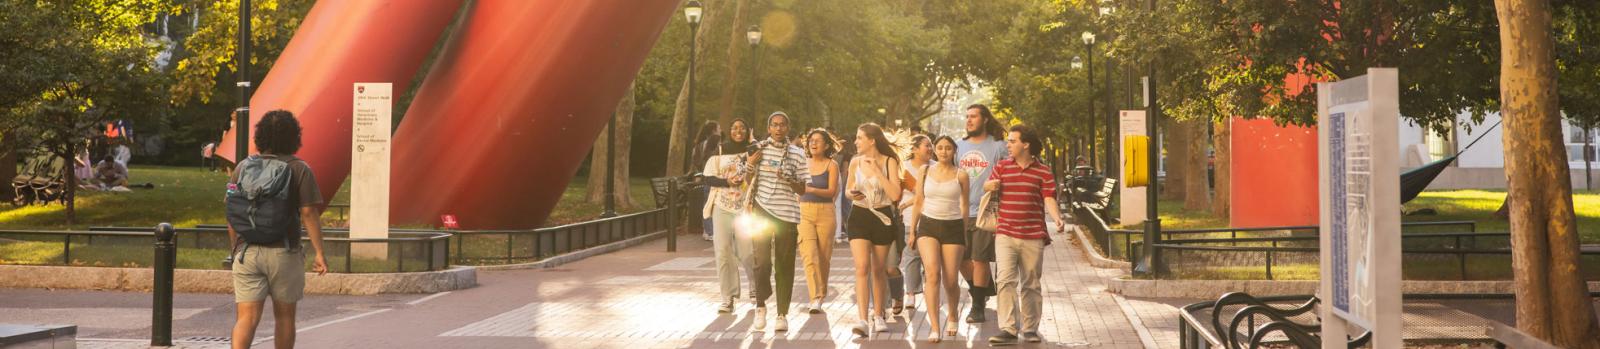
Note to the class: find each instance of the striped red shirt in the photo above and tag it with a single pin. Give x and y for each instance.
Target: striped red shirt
(1022, 193)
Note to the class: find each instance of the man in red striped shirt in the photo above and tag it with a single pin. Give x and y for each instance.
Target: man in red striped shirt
(1027, 191)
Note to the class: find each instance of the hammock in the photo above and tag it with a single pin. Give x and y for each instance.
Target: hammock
(1414, 181)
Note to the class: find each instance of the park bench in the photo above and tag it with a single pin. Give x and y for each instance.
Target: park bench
(658, 187)
(40, 181)
(1234, 323)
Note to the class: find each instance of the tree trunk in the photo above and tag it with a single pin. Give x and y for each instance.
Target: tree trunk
(598, 166)
(677, 142)
(69, 193)
(1221, 138)
(8, 170)
(737, 44)
(1196, 195)
(1552, 300)
(1177, 147)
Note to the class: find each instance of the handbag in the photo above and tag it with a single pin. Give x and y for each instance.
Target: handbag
(989, 211)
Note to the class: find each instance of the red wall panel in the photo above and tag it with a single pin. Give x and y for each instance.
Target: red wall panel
(1274, 174)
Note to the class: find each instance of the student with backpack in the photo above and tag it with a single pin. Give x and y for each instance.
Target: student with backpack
(270, 198)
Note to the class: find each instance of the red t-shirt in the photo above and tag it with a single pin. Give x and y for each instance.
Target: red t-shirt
(1022, 193)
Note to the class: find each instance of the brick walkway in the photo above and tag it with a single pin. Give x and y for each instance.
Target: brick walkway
(644, 297)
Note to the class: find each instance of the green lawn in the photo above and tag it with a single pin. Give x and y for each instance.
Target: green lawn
(187, 196)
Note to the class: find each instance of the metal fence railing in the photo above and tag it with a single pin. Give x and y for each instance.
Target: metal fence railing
(508, 246)
(205, 248)
(478, 247)
(405, 250)
(1433, 250)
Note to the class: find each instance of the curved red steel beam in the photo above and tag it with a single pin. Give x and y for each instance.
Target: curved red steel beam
(340, 43)
(514, 105)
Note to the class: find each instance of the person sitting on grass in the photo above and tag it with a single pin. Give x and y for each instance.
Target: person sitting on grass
(111, 175)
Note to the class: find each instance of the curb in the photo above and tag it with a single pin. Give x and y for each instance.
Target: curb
(221, 281)
(1095, 259)
(579, 255)
(1211, 289)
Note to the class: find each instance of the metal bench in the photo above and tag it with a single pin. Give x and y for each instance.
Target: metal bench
(40, 181)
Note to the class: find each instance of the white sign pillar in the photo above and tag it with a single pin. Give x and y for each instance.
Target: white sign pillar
(1134, 207)
(1358, 165)
(369, 168)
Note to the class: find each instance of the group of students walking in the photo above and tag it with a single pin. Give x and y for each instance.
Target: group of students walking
(773, 198)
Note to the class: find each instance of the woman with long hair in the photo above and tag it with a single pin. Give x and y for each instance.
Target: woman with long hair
(905, 265)
(938, 228)
(874, 187)
(816, 214)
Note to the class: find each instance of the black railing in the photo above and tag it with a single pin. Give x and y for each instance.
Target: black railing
(204, 248)
(1107, 237)
(507, 246)
(1203, 253)
(513, 246)
(1426, 255)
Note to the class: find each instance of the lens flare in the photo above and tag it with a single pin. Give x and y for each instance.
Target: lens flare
(752, 225)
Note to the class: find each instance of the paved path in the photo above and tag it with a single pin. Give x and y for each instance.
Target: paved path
(641, 297)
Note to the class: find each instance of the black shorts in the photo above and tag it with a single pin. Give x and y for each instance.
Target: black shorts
(862, 224)
(980, 244)
(948, 232)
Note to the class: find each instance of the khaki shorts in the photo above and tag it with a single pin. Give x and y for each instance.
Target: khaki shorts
(980, 243)
(259, 272)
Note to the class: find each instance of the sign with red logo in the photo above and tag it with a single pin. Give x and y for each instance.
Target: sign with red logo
(449, 221)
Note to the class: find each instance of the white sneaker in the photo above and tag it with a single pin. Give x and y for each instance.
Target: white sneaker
(815, 307)
(758, 323)
(706, 236)
(780, 325)
(862, 329)
(881, 325)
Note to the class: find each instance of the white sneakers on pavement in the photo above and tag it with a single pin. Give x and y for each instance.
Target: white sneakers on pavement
(758, 323)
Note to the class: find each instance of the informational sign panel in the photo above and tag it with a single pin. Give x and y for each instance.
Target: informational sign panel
(1134, 166)
(1359, 173)
(369, 167)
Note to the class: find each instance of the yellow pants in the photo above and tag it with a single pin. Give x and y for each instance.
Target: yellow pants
(816, 244)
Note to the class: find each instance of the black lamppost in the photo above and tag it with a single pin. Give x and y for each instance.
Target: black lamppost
(241, 126)
(1088, 45)
(1077, 63)
(1150, 263)
(692, 12)
(1113, 127)
(753, 35)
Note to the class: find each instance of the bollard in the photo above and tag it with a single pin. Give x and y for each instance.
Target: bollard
(672, 215)
(161, 308)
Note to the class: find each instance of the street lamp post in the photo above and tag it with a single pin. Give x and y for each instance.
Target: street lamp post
(692, 13)
(1113, 168)
(1088, 44)
(753, 35)
(1078, 143)
(241, 127)
(1150, 263)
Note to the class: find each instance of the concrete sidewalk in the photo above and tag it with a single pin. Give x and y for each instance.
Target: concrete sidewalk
(641, 297)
